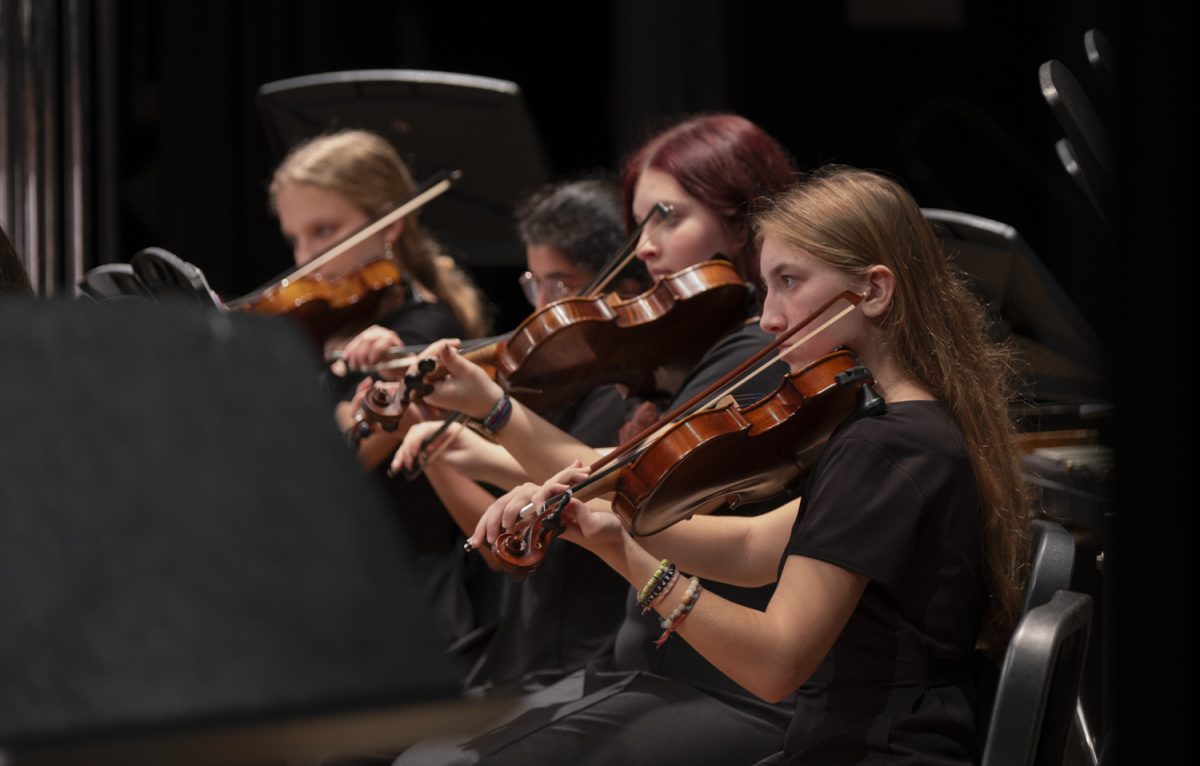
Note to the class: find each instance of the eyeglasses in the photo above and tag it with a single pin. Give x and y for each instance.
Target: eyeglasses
(534, 288)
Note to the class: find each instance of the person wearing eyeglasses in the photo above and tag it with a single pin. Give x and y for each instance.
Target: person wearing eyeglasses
(567, 612)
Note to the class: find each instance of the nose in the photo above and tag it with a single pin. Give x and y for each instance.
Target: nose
(301, 251)
(647, 249)
(772, 319)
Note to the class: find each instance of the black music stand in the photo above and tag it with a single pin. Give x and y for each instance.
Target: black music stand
(192, 567)
(1066, 358)
(437, 121)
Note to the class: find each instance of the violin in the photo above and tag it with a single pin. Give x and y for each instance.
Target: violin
(713, 455)
(577, 343)
(324, 303)
(403, 356)
(379, 407)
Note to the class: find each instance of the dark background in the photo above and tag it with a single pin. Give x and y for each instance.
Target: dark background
(946, 98)
(943, 94)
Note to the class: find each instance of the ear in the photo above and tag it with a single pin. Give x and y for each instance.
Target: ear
(880, 284)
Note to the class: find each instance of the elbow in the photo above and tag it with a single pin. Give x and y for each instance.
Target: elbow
(774, 691)
(778, 686)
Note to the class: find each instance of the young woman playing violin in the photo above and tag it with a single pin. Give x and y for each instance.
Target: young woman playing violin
(325, 190)
(330, 187)
(644, 701)
(906, 553)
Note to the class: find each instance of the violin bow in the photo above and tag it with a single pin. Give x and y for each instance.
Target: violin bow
(623, 256)
(431, 189)
(705, 399)
(403, 356)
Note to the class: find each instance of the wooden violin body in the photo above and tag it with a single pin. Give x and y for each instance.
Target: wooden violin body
(726, 455)
(731, 455)
(323, 305)
(326, 303)
(575, 344)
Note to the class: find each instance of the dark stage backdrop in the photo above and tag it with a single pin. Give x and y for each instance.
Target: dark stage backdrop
(944, 95)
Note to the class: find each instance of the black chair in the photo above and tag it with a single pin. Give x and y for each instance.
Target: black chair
(1052, 565)
(1039, 682)
(1052, 562)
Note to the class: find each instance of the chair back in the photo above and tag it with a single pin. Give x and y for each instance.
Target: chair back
(1035, 701)
(1052, 562)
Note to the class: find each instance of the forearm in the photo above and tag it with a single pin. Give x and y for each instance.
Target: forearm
(540, 447)
(737, 550)
(463, 499)
(497, 467)
(749, 646)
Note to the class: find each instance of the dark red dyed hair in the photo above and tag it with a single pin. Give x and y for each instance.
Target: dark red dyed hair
(723, 161)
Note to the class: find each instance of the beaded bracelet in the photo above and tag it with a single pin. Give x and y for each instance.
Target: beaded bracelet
(654, 578)
(680, 613)
(498, 416)
(646, 603)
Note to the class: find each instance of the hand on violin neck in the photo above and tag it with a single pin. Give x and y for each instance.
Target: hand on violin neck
(461, 385)
(370, 347)
(505, 514)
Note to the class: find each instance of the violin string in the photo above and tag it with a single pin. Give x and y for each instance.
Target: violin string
(779, 357)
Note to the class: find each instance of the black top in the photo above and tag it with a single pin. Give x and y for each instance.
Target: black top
(565, 612)
(445, 576)
(675, 659)
(420, 322)
(417, 322)
(893, 497)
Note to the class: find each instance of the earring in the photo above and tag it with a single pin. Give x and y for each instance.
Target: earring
(387, 250)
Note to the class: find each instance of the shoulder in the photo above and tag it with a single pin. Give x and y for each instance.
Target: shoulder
(903, 423)
(919, 439)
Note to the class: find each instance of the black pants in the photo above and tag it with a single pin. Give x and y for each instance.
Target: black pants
(632, 719)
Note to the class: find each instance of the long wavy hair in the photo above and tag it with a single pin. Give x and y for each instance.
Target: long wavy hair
(365, 169)
(725, 162)
(937, 332)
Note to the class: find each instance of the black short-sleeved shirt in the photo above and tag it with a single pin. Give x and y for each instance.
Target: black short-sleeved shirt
(676, 659)
(566, 611)
(894, 498)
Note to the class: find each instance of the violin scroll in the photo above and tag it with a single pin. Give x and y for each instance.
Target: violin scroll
(520, 552)
(381, 407)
